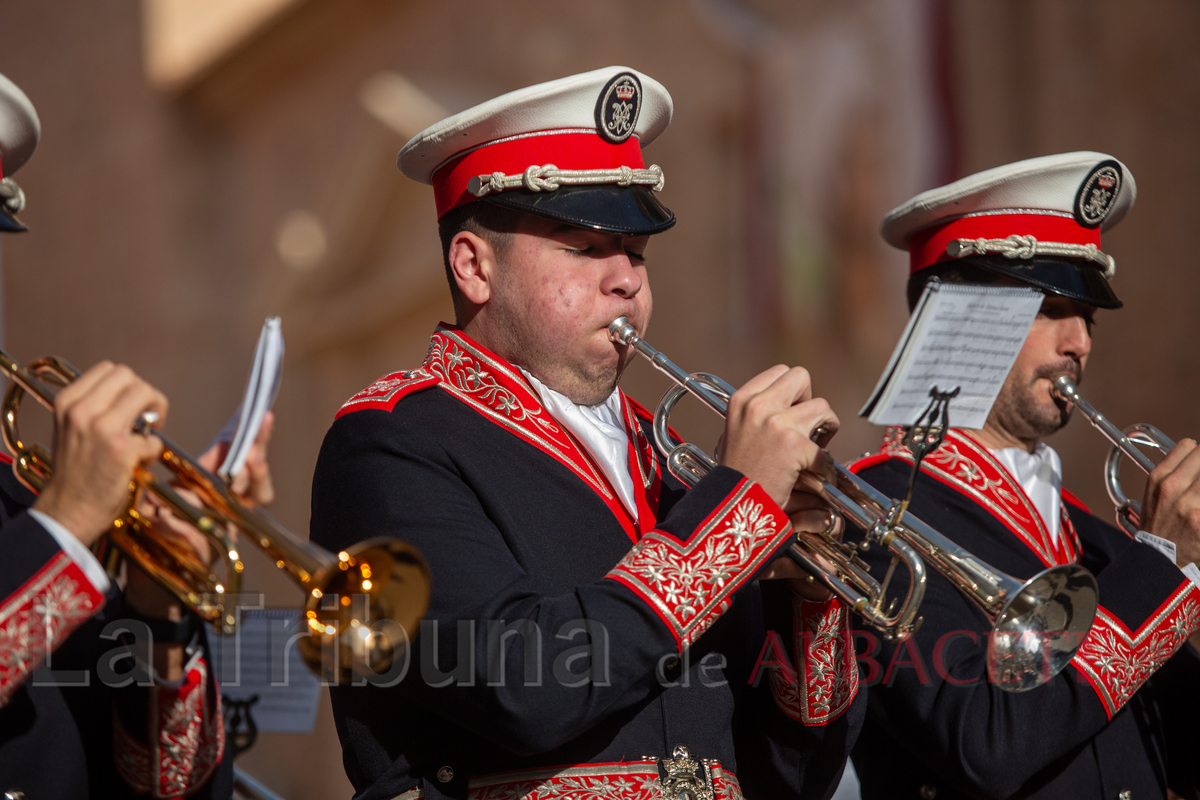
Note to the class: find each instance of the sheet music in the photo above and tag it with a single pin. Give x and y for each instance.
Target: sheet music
(261, 389)
(960, 335)
(262, 659)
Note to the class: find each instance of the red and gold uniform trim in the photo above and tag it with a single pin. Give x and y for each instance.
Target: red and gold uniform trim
(1114, 660)
(388, 390)
(495, 389)
(827, 670)
(968, 467)
(690, 584)
(1117, 662)
(630, 780)
(187, 739)
(39, 616)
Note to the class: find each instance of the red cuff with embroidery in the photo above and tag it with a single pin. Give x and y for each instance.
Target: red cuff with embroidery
(691, 583)
(1116, 661)
(39, 615)
(185, 738)
(824, 681)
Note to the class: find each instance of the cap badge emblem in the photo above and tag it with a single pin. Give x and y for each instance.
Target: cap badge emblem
(618, 107)
(1098, 194)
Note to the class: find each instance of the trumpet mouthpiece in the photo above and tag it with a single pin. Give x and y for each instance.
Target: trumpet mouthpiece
(1064, 387)
(621, 331)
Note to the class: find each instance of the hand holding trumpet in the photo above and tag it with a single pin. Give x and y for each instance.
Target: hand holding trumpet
(96, 449)
(769, 439)
(1172, 502)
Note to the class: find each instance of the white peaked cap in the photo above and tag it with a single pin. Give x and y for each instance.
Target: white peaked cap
(1036, 221)
(1048, 183)
(564, 104)
(569, 150)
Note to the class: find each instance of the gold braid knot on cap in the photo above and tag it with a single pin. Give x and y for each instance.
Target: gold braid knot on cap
(1026, 247)
(549, 177)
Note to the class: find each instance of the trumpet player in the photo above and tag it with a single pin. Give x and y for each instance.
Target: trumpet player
(1107, 726)
(70, 726)
(593, 630)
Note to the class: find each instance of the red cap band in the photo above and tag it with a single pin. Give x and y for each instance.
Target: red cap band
(928, 247)
(574, 150)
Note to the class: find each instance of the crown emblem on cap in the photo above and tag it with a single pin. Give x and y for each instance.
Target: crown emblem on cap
(618, 106)
(1098, 194)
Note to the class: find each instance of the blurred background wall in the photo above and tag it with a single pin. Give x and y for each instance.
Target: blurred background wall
(206, 163)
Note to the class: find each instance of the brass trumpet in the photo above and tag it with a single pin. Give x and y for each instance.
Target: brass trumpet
(347, 595)
(1124, 443)
(1037, 625)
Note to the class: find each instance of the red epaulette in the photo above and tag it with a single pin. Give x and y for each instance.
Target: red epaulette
(385, 392)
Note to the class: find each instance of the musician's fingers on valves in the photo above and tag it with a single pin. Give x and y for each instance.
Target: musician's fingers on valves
(96, 449)
(1171, 508)
(769, 426)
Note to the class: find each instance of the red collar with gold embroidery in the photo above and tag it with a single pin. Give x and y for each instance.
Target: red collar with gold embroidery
(499, 392)
(965, 465)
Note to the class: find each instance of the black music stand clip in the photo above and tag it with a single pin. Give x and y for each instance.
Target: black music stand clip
(922, 438)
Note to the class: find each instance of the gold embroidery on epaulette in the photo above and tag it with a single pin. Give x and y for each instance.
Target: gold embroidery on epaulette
(463, 371)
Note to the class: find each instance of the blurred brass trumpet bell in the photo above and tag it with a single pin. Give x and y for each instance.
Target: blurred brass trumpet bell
(354, 600)
(1037, 625)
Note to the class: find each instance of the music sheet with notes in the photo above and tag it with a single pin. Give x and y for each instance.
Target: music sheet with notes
(959, 335)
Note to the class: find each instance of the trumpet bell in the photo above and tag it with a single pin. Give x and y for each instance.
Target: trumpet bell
(1037, 633)
(364, 609)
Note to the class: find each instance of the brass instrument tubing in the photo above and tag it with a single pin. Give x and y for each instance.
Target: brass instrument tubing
(1065, 388)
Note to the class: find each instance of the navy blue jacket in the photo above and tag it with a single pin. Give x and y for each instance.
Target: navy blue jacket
(618, 651)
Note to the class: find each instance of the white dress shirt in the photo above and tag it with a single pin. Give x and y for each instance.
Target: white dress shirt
(1040, 474)
(601, 431)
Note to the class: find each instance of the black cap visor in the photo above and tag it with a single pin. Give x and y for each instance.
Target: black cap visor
(631, 210)
(1076, 280)
(9, 223)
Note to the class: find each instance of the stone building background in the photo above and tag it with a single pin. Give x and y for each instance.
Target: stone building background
(206, 163)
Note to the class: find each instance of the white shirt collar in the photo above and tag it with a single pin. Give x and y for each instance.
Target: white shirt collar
(1040, 474)
(601, 431)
